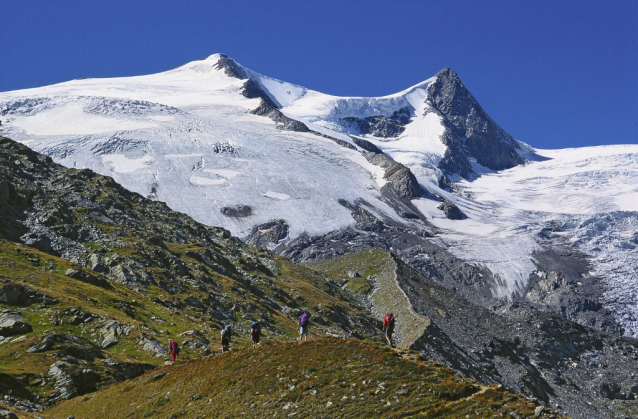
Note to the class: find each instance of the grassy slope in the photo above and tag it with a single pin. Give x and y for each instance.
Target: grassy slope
(320, 378)
(20, 264)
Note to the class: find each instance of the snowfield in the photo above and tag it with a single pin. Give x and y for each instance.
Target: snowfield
(186, 137)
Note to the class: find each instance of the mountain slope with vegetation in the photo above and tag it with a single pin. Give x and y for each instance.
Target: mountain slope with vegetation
(95, 280)
(325, 378)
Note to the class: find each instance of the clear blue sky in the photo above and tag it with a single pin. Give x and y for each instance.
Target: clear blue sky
(555, 74)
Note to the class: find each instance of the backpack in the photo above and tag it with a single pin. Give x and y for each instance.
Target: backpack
(303, 321)
(388, 320)
(255, 327)
(226, 332)
(174, 347)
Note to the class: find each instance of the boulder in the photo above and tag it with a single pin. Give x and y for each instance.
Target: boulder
(152, 345)
(237, 211)
(71, 380)
(451, 211)
(111, 332)
(11, 324)
(7, 414)
(22, 296)
(269, 233)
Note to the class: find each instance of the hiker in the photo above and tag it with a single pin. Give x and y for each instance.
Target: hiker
(388, 326)
(173, 349)
(225, 338)
(304, 322)
(255, 332)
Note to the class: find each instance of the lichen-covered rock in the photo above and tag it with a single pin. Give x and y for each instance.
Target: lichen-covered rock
(151, 344)
(11, 324)
(22, 296)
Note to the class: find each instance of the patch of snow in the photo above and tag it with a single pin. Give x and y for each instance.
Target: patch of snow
(204, 181)
(228, 174)
(276, 195)
(121, 164)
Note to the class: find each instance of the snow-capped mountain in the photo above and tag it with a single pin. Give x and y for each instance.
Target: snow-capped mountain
(424, 172)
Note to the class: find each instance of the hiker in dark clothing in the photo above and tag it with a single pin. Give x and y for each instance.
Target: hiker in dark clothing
(304, 322)
(388, 326)
(225, 338)
(173, 348)
(255, 332)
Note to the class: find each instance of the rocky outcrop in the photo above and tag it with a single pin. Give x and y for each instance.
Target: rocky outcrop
(379, 126)
(400, 179)
(451, 211)
(89, 278)
(230, 67)
(7, 414)
(269, 109)
(470, 133)
(268, 234)
(11, 324)
(19, 295)
(237, 211)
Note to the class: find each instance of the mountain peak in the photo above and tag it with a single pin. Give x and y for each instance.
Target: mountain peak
(230, 66)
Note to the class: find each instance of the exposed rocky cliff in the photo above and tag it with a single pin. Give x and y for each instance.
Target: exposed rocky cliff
(470, 133)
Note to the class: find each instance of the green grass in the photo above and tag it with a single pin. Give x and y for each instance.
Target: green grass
(320, 379)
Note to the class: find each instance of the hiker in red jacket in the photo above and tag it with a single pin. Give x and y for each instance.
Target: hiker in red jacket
(173, 349)
(388, 326)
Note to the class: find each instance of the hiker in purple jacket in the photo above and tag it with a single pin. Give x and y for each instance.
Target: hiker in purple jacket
(304, 322)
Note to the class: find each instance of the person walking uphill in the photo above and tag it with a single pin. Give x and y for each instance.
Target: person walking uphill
(388, 326)
(225, 338)
(304, 322)
(255, 332)
(173, 349)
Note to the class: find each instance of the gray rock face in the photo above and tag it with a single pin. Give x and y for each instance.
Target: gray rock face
(111, 332)
(540, 354)
(451, 211)
(68, 345)
(238, 211)
(379, 126)
(366, 145)
(7, 414)
(96, 264)
(22, 296)
(268, 234)
(11, 324)
(269, 109)
(400, 179)
(88, 278)
(152, 345)
(230, 67)
(70, 381)
(470, 133)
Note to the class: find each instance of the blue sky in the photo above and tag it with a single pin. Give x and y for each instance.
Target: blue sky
(554, 74)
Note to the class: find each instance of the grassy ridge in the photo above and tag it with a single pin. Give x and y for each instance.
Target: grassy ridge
(322, 378)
